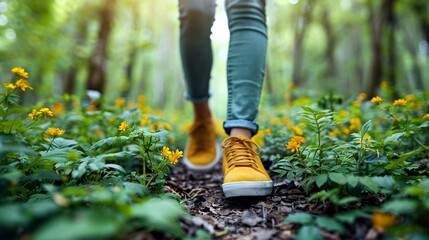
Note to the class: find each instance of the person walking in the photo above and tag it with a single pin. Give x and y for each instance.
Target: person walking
(244, 173)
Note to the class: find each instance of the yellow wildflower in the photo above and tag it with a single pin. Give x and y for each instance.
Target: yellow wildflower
(375, 100)
(355, 123)
(163, 125)
(165, 151)
(10, 86)
(345, 130)
(298, 139)
(334, 132)
(23, 84)
(294, 143)
(275, 121)
(426, 116)
(120, 102)
(286, 120)
(55, 132)
(174, 156)
(293, 146)
(123, 127)
(295, 129)
(410, 98)
(34, 113)
(356, 103)
(20, 71)
(399, 102)
(416, 105)
(46, 112)
(145, 120)
(381, 221)
(58, 108)
(362, 96)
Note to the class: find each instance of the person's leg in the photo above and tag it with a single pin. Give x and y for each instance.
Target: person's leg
(196, 20)
(244, 174)
(246, 62)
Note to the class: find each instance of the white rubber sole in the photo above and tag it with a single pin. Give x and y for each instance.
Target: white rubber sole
(240, 189)
(204, 168)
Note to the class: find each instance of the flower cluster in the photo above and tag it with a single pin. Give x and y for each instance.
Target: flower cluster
(375, 100)
(55, 132)
(295, 143)
(21, 83)
(45, 112)
(399, 102)
(173, 156)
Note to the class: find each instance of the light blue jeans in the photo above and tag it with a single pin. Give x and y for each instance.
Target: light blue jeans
(246, 56)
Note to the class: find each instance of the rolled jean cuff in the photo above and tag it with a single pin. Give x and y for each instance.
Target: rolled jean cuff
(198, 99)
(229, 124)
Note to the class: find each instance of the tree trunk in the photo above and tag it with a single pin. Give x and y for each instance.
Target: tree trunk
(413, 50)
(301, 25)
(330, 45)
(134, 49)
(96, 75)
(420, 7)
(391, 50)
(377, 21)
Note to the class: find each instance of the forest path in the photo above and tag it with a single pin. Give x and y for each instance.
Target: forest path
(236, 218)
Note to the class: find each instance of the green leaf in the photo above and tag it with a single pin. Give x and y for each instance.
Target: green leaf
(352, 181)
(108, 141)
(337, 178)
(136, 188)
(365, 128)
(394, 138)
(384, 181)
(350, 216)
(299, 218)
(160, 214)
(13, 215)
(321, 180)
(369, 184)
(85, 224)
(400, 206)
(116, 166)
(329, 224)
(347, 200)
(309, 232)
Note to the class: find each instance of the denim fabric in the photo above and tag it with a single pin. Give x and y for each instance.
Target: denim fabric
(196, 19)
(246, 56)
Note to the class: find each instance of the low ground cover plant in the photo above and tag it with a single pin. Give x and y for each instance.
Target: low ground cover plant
(82, 172)
(82, 169)
(367, 159)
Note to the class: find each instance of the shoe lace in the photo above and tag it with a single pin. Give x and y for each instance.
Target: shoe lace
(241, 152)
(201, 132)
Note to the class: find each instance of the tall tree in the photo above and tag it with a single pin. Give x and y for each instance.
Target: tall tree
(330, 43)
(377, 19)
(96, 74)
(301, 25)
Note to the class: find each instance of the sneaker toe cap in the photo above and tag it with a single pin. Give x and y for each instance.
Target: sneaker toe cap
(245, 174)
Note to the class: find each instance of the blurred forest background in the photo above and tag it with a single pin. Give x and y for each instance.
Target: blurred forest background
(130, 47)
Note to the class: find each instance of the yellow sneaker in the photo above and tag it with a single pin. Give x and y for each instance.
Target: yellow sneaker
(244, 174)
(202, 151)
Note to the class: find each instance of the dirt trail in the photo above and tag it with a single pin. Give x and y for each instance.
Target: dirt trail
(235, 218)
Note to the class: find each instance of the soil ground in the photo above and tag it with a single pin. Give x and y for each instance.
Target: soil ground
(241, 218)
